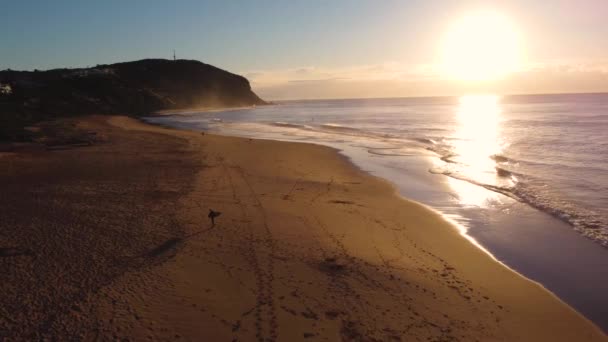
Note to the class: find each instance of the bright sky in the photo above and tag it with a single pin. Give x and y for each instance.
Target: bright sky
(317, 49)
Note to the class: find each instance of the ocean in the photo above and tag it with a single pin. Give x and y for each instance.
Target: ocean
(523, 177)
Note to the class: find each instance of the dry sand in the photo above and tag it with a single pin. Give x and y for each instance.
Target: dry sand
(113, 241)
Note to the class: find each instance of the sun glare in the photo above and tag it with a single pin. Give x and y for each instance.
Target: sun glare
(481, 46)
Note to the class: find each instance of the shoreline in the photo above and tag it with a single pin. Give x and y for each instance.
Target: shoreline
(530, 242)
(431, 211)
(339, 154)
(170, 112)
(457, 226)
(308, 246)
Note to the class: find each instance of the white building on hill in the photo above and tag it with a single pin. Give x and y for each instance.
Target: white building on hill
(5, 89)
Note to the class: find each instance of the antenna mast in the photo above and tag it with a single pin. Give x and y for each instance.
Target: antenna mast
(174, 55)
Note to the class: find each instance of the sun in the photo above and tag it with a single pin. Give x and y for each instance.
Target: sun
(481, 46)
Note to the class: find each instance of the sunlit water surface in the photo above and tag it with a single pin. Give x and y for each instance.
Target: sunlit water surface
(526, 177)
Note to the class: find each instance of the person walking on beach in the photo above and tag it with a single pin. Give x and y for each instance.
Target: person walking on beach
(212, 215)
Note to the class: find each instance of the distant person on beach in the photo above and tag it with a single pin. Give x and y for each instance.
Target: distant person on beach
(212, 215)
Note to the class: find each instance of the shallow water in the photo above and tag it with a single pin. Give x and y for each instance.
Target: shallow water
(526, 177)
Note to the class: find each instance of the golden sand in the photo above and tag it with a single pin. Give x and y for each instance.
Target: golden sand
(307, 247)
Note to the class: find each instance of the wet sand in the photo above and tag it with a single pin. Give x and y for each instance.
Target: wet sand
(112, 241)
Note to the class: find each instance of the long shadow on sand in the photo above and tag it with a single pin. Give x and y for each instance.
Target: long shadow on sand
(169, 244)
(12, 252)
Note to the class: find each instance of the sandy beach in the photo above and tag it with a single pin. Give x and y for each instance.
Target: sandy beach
(112, 241)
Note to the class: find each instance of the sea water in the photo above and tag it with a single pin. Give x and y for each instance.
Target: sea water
(524, 177)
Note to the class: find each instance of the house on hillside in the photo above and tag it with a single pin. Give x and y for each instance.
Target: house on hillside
(90, 72)
(5, 89)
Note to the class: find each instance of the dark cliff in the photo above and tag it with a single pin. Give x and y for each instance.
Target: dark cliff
(133, 88)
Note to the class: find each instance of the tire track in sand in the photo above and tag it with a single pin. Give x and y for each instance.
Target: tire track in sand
(260, 253)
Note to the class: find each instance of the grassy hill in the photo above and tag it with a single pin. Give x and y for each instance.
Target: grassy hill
(134, 88)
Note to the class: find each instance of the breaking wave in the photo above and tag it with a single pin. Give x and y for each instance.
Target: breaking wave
(585, 221)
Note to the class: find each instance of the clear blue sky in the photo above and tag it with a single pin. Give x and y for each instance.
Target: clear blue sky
(277, 36)
(235, 34)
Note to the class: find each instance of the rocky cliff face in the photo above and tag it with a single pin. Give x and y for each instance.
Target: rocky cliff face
(134, 88)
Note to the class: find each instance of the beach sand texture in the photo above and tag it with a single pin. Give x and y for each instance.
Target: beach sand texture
(112, 241)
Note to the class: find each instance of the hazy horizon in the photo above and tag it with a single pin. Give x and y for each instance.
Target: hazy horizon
(454, 96)
(481, 92)
(318, 50)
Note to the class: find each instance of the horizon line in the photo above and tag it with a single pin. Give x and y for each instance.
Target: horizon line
(437, 96)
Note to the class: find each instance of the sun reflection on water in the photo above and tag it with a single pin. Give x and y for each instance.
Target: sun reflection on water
(475, 141)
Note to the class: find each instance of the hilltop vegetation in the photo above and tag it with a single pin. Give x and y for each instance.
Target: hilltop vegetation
(133, 88)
